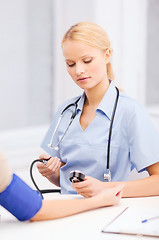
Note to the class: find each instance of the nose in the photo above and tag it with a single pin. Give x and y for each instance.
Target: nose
(79, 69)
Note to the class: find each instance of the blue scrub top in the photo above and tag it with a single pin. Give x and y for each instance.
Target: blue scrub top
(134, 141)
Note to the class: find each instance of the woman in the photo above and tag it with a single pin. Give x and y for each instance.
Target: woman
(134, 140)
(27, 204)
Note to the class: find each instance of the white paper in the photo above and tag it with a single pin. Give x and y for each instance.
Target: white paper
(130, 222)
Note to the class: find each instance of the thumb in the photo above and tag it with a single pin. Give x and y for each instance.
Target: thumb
(44, 156)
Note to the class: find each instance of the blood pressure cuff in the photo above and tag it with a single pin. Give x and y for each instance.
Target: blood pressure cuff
(21, 200)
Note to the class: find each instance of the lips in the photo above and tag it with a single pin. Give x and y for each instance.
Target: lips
(83, 79)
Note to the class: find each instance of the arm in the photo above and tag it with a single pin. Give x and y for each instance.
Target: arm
(143, 142)
(53, 209)
(145, 187)
(27, 204)
(5, 173)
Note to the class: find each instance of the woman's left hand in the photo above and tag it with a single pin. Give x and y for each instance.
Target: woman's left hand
(89, 187)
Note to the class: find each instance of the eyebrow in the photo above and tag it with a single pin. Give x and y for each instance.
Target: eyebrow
(86, 55)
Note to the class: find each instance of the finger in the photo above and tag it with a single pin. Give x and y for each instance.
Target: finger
(44, 156)
(84, 194)
(50, 167)
(82, 191)
(87, 181)
(46, 172)
(80, 185)
(75, 186)
(54, 166)
(53, 161)
(40, 165)
(42, 168)
(57, 166)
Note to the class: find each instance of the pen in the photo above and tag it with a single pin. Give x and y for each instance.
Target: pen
(117, 216)
(149, 219)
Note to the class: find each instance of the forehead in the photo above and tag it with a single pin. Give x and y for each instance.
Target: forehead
(75, 49)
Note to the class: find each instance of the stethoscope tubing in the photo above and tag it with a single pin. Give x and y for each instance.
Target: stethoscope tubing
(108, 173)
(58, 123)
(110, 128)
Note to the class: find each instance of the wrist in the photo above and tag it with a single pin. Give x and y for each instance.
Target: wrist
(94, 202)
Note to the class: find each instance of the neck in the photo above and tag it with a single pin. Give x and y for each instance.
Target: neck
(95, 95)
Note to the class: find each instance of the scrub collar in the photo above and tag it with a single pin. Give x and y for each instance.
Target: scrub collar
(107, 103)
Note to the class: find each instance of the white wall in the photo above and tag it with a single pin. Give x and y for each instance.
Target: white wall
(13, 61)
(25, 77)
(25, 63)
(22, 146)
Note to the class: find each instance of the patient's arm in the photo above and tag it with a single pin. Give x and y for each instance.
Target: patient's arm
(27, 204)
(5, 173)
(53, 209)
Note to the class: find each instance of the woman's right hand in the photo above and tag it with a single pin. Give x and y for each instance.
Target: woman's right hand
(51, 167)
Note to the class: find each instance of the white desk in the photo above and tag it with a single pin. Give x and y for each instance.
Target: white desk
(83, 226)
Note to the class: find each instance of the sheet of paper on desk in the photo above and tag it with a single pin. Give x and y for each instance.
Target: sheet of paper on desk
(130, 222)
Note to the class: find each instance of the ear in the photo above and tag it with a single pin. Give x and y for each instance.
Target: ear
(108, 53)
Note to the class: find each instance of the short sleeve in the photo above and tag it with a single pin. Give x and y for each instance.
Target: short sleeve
(143, 139)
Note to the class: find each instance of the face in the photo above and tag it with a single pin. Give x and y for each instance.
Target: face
(85, 64)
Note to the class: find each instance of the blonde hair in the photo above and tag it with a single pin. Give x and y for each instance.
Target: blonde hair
(90, 34)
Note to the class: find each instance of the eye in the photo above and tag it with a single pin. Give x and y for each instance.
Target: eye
(70, 64)
(88, 60)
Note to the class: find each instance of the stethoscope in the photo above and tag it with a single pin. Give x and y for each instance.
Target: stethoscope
(58, 123)
(107, 175)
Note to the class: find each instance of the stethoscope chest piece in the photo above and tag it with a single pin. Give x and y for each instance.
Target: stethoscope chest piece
(107, 176)
(76, 176)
